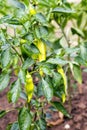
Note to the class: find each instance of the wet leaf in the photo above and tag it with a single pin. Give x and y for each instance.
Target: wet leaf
(24, 119)
(14, 93)
(4, 81)
(2, 113)
(5, 57)
(62, 10)
(47, 89)
(60, 107)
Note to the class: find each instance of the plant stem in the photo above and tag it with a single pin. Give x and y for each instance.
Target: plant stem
(64, 35)
(33, 71)
(17, 53)
(69, 72)
(69, 91)
(14, 109)
(29, 106)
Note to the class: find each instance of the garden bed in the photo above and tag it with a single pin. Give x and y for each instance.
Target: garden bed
(79, 111)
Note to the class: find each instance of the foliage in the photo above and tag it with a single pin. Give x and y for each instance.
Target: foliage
(39, 61)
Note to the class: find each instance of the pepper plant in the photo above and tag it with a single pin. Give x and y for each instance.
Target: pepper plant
(40, 62)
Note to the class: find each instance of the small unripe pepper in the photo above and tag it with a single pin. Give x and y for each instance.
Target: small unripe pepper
(29, 86)
(61, 71)
(42, 56)
(32, 11)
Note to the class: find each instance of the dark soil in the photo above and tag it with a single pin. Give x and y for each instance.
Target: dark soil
(79, 111)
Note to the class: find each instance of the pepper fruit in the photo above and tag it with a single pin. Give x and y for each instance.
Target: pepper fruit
(42, 48)
(61, 71)
(42, 56)
(29, 86)
(32, 10)
(22, 41)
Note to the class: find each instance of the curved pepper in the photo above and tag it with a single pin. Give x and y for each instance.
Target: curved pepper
(29, 86)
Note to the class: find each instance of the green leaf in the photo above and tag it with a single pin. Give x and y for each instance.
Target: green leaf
(22, 76)
(4, 81)
(4, 19)
(29, 37)
(37, 32)
(15, 126)
(42, 123)
(41, 31)
(40, 18)
(77, 31)
(72, 50)
(14, 93)
(40, 89)
(56, 79)
(59, 92)
(30, 49)
(14, 22)
(57, 44)
(16, 4)
(45, 3)
(10, 20)
(5, 57)
(57, 61)
(2, 113)
(33, 126)
(80, 61)
(8, 127)
(76, 71)
(63, 10)
(60, 108)
(28, 63)
(34, 49)
(23, 95)
(47, 89)
(46, 70)
(83, 48)
(26, 2)
(24, 119)
(85, 70)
